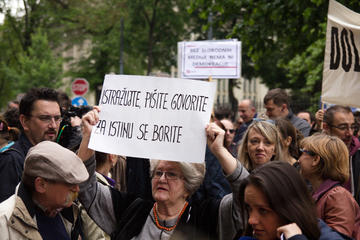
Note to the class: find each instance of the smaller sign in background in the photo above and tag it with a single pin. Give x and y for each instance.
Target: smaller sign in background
(202, 59)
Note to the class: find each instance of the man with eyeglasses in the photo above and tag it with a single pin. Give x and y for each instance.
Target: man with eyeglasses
(40, 117)
(339, 121)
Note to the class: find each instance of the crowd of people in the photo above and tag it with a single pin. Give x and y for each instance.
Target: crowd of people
(277, 175)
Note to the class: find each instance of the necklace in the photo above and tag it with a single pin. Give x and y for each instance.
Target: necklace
(177, 221)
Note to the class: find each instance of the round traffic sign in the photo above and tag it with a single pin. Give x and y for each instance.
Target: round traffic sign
(80, 86)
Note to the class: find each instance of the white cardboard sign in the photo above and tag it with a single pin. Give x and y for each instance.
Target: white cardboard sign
(153, 117)
(202, 59)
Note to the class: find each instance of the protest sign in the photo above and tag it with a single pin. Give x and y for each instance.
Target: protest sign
(341, 74)
(203, 59)
(153, 117)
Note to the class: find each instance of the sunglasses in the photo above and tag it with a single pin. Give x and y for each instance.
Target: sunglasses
(230, 130)
(307, 152)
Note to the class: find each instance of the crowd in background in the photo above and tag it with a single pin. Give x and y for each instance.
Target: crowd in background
(265, 175)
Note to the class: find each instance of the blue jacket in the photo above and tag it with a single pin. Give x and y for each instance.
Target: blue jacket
(12, 166)
(327, 233)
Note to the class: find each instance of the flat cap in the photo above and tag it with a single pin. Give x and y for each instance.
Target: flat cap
(51, 161)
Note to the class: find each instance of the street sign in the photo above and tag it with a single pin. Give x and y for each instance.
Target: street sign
(80, 86)
(79, 101)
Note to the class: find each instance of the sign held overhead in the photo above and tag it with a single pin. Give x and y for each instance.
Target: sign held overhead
(202, 59)
(154, 117)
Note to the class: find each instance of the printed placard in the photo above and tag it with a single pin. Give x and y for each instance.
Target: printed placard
(202, 59)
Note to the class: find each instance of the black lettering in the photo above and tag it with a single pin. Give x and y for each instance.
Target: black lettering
(166, 133)
(121, 129)
(144, 131)
(356, 53)
(335, 49)
(100, 127)
(345, 40)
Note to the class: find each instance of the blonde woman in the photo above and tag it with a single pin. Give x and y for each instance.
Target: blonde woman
(325, 164)
(261, 144)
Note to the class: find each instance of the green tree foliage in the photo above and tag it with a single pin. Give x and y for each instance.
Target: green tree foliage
(36, 68)
(28, 58)
(283, 41)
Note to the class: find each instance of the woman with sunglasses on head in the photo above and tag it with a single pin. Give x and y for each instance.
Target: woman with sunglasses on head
(325, 164)
(278, 205)
(170, 215)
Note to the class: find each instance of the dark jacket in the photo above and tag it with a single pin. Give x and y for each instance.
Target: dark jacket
(199, 221)
(12, 166)
(215, 184)
(300, 124)
(326, 234)
(355, 165)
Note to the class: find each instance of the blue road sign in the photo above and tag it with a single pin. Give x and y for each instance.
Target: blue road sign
(79, 101)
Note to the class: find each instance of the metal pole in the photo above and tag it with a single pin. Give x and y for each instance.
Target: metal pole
(121, 63)
(210, 22)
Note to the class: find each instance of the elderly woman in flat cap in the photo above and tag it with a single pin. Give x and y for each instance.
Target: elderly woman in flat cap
(171, 215)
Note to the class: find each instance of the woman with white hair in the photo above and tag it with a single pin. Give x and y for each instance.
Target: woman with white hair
(170, 215)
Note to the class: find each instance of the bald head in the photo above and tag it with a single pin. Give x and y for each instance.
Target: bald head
(246, 110)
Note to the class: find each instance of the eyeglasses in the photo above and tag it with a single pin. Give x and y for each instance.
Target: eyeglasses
(344, 127)
(48, 118)
(230, 130)
(307, 152)
(168, 175)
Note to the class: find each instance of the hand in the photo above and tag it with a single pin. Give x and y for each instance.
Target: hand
(289, 230)
(90, 119)
(215, 137)
(75, 121)
(319, 116)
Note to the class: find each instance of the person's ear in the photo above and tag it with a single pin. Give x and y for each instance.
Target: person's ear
(326, 127)
(40, 185)
(112, 159)
(287, 141)
(24, 121)
(316, 161)
(283, 107)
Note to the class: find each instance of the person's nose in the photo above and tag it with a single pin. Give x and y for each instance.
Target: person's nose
(260, 146)
(75, 188)
(163, 177)
(349, 132)
(253, 218)
(53, 123)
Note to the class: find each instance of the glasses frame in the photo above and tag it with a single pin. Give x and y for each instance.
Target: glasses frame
(343, 128)
(156, 175)
(48, 118)
(311, 153)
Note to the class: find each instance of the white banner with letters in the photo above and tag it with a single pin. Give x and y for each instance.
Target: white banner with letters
(341, 74)
(154, 117)
(204, 59)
